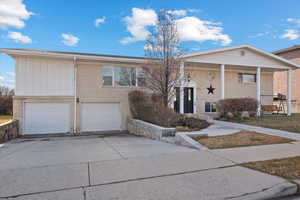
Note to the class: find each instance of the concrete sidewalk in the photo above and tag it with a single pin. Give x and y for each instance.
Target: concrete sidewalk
(139, 168)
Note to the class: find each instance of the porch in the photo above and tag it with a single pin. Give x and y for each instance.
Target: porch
(234, 72)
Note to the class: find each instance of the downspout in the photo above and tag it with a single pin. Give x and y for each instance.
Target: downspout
(75, 97)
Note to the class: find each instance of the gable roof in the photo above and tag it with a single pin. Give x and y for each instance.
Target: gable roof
(239, 47)
(287, 49)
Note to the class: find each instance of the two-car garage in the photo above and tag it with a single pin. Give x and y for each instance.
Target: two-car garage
(53, 118)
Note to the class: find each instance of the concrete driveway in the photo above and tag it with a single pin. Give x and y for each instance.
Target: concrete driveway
(125, 167)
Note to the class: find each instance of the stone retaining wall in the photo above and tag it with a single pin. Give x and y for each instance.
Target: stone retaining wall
(141, 128)
(9, 130)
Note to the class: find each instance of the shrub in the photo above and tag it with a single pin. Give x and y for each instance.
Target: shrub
(144, 108)
(236, 106)
(191, 122)
(150, 108)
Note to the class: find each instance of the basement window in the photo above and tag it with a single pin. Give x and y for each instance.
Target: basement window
(210, 107)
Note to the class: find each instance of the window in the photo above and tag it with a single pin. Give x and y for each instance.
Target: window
(247, 78)
(122, 76)
(107, 75)
(210, 107)
(141, 79)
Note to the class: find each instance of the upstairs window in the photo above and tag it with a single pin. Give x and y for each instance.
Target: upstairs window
(247, 78)
(107, 75)
(123, 76)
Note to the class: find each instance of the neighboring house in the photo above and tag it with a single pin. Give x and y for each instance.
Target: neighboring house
(58, 92)
(280, 78)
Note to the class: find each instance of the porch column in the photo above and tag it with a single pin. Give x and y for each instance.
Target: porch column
(258, 88)
(181, 104)
(289, 92)
(222, 81)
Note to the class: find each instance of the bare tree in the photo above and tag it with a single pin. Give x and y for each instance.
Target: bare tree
(163, 44)
(6, 91)
(6, 100)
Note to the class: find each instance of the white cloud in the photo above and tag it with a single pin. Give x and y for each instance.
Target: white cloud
(13, 13)
(19, 37)
(189, 28)
(137, 24)
(294, 20)
(181, 13)
(69, 40)
(178, 12)
(13, 74)
(291, 34)
(2, 78)
(99, 21)
(195, 29)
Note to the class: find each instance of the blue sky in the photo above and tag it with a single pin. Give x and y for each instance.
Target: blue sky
(121, 28)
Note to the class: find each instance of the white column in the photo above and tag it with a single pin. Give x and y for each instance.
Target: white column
(289, 92)
(258, 71)
(222, 81)
(181, 105)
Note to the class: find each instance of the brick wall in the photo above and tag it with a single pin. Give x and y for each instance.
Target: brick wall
(280, 78)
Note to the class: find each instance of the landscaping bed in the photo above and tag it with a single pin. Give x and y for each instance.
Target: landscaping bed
(288, 168)
(241, 139)
(5, 118)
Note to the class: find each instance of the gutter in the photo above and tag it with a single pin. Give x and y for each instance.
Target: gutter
(75, 97)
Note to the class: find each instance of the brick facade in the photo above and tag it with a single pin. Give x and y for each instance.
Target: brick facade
(280, 78)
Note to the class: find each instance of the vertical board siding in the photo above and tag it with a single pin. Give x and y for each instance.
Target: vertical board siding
(44, 77)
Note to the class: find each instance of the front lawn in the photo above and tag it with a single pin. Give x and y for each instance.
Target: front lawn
(285, 123)
(241, 139)
(287, 167)
(5, 118)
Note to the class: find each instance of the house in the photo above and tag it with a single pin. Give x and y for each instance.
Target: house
(59, 92)
(280, 78)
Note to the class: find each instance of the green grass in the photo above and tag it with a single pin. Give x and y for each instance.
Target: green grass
(285, 123)
(5, 118)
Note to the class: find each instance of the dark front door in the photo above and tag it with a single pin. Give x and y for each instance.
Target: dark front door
(177, 101)
(188, 100)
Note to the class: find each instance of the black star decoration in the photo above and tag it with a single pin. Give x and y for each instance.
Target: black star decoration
(210, 89)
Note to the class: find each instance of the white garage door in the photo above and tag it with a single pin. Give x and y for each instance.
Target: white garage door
(100, 117)
(42, 118)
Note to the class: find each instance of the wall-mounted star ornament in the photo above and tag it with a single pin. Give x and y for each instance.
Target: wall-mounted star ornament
(210, 89)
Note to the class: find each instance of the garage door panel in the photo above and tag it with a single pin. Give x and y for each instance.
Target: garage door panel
(100, 117)
(42, 118)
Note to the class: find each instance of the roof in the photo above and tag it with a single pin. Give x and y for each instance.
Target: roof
(287, 49)
(118, 58)
(72, 55)
(239, 47)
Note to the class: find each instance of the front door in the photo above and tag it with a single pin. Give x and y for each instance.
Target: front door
(177, 100)
(188, 100)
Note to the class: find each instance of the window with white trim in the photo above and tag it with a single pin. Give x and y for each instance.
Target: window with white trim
(123, 76)
(247, 78)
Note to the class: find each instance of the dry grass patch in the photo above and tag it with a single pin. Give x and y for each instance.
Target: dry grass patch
(288, 168)
(241, 139)
(5, 118)
(284, 123)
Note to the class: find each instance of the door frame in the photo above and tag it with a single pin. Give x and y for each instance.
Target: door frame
(190, 84)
